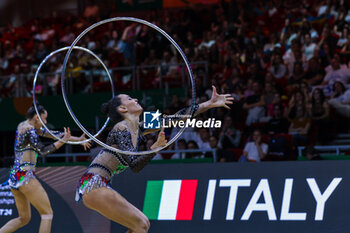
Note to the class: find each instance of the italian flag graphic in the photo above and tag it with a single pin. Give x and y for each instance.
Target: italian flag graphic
(170, 199)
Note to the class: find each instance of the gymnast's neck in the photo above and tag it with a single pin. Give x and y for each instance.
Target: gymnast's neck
(133, 120)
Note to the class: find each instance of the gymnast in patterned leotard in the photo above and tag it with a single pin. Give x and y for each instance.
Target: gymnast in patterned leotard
(126, 134)
(25, 187)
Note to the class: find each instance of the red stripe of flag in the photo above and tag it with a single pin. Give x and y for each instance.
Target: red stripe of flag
(186, 199)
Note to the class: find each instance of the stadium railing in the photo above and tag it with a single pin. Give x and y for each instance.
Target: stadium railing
(134, 73)
(74, 156)
(338, 149)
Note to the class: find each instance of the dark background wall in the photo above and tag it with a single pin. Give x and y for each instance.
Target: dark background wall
(21, 11)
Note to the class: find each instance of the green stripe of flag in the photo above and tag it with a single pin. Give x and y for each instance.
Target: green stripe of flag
(152, 198)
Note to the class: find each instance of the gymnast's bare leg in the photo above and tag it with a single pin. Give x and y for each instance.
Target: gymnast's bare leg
(35, 194)
(113, 206)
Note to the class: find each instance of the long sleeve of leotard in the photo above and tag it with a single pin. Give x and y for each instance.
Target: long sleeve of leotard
(43, 133)
(37, 145)
(122, 139)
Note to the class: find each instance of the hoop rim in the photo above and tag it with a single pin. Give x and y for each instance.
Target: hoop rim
(34, 98)
(141, 21)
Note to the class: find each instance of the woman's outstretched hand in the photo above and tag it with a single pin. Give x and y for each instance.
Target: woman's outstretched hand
(161, 141)
(86, 145)
(218, 100)
(67, 134)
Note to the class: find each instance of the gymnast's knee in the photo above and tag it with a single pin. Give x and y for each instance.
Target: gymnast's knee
(24, 220)
(47, 216)
(143, 226)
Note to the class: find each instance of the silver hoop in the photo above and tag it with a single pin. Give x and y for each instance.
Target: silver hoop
(34, 84)
(171, 41)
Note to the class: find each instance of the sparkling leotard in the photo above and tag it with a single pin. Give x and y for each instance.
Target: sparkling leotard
(27, 147)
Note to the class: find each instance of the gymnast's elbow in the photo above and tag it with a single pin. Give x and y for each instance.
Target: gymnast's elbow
(44, 154)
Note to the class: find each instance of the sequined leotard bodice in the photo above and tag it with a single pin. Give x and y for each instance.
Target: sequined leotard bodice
(108, 163)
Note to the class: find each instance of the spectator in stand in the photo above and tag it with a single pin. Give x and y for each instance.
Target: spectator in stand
(338, 90)
(68, 37)
(338, 59)
(52, 80)
(271, 107)
(181, 145)
(202, 138)
(8, 55)
(297, 77)
(256, 150)
(41, 53)
(19, 53)
(292, 55)
(192, 145)
(165, 65)
(337, 73)
(340, 100)
(45, 35)
(253, 72)
(306, 90)
(271, 43)
(315, 73)
(319, 113)
(278, 124)
(254, 104)
(277, 69)
(309, 47)
(229, 136)
(249, 88)
(343, 38)
(127, 43)
(11, 84)
(300, 126)
(328, 38)
(207, 41)
(285, 30)
(298, 99)
(306, 28)
(114, 40)
(345, 48)
(221, 155)
(319, 108)
(269, 93)
(325, 55)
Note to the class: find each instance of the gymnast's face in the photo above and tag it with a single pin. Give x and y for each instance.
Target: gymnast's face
(129, 105)
(37, 123)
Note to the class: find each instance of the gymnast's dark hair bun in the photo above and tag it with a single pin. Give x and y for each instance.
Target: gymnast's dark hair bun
(105, 108)
(31, 111)
(111, 109)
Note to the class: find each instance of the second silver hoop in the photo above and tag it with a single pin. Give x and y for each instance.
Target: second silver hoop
(34, 86)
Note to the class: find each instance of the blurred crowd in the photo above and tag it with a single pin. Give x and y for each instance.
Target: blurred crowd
(286, 63)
